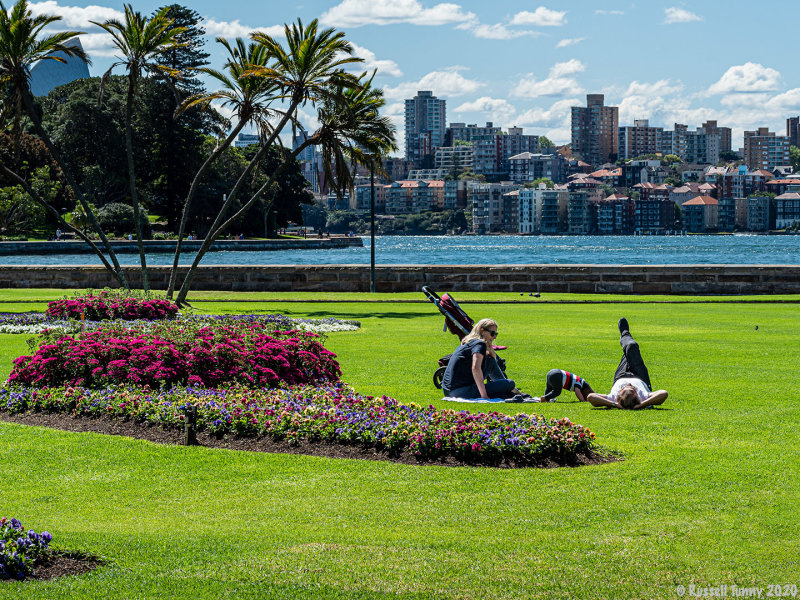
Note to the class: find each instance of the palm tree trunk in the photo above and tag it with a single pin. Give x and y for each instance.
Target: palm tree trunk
(214, 233)
(49, 208)
(173, 276)
(132, 177)
(27, 100)
(215, 227)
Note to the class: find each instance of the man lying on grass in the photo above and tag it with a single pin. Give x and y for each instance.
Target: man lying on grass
(631, 389)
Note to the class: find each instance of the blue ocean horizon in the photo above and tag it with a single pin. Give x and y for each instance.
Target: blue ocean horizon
(749, 249)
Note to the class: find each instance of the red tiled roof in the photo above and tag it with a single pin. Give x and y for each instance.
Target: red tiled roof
(702, 201)
(788, 196)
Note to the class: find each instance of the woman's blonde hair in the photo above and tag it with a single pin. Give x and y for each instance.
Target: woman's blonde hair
(475, 334)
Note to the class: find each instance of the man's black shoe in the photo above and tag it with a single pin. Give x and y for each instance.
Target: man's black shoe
(623, 325)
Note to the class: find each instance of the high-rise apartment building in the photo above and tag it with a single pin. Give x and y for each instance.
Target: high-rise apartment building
(763, 149)
(640, 139)
(711, 127)
(793, 131)
(425, 127)
(595, 135)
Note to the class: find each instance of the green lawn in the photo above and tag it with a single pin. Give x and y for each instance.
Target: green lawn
(706, 494)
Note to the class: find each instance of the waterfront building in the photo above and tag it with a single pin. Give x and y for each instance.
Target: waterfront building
(615, 215)
(362, 196)
(787, 210)
(425, 122)
(793, 131)
(741, 213)
(727, 214)
(487, 205)
(526, 167)
(454, 193)
(396, 168)
(543, 209)
(760, 213)
(581, 212)
(739, 182)
(426, 174)
(405, 197)
(454, 159)
(511, 211)
(699, 146)
(701, 214)
(461, 132)
(243, 140)
(763, 149)
(595, 131)
(640, 139)
(681, 195)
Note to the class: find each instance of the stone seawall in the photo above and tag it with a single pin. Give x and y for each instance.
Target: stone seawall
(617, 279)
(126, 247)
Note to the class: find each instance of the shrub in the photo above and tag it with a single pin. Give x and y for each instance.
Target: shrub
(111, 304)
(118, 217)
(21, 550)
(334, 413)
(247, 352)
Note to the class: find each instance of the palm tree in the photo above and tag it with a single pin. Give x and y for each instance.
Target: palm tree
(22, 46)
(247, 96)
(308, 70)
(351, 132)
(141, 41)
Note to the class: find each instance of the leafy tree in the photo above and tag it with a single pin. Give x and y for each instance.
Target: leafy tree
(727, 156)
(19, 212)
(141, 41)
(545, 180)
(119, 218)
(794, 158)
(672, 159)
(188, 56)
(22, 46)
(544, 142)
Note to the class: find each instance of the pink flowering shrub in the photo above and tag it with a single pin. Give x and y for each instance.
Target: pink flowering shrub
(109, 304)
(249, 354)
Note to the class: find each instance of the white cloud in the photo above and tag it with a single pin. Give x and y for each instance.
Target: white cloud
(604, 12)
(655, 101)
(555, 120)
(541, 17)
(234, 29)
(356, 13)
(495, 32)
(445, 83)
(559, 82)
(787, 101)
(75, 16)
(569, 42)
(679, 15)
(496, 109)
(385, 67)
(749, 77)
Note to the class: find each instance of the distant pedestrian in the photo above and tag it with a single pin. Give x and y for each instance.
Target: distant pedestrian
(58, 235)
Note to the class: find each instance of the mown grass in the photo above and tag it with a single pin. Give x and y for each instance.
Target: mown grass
(706, 494)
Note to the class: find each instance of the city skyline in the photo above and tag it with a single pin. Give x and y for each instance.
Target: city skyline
(526, 64)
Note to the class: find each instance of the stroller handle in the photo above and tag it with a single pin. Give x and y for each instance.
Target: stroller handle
(432, 296)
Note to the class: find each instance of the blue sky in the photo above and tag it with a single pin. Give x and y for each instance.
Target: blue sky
(525, 63)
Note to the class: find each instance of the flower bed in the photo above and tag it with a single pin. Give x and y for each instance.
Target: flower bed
(334, 413)
(20, 551)
(245, 352)
(111, 304)
(35, 323)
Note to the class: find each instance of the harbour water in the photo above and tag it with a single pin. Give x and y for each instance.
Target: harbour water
(494, 249)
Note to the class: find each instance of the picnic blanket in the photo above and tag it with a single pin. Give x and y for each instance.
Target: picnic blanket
(485, 400)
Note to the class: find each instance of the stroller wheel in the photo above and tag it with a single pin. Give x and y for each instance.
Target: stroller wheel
(438, 374)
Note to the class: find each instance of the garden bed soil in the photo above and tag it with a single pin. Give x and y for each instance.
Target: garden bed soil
(61, 564)
(324, 449)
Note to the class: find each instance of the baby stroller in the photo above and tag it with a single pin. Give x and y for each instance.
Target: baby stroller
(458, 323)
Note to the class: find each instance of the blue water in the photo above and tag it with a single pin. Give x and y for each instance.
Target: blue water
(505, 249)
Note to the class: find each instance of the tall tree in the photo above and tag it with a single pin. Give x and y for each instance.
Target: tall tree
(142, 42)
(352, 132)
(247, 96)
(189, 56)
(23, 45)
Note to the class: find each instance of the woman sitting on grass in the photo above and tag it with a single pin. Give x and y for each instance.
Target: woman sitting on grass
(472, 362)
(631, 389)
